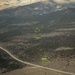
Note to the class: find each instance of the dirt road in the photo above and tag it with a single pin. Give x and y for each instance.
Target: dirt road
(37, 66)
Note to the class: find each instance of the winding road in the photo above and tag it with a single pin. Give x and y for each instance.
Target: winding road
(19, 60)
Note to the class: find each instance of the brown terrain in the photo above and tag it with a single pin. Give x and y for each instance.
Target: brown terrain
(44, 40)
(58, 64)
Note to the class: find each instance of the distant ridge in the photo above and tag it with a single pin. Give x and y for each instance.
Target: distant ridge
(6, 3)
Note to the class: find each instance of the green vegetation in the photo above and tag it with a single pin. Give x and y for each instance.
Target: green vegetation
(45, 59)
(38, 37)
(37, 29)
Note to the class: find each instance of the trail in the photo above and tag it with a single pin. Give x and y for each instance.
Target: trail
(19, 60)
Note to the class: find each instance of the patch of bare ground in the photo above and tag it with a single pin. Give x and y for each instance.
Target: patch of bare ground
(53, 34)
(28, 36)
(63, 64)
(32, 71)
(66, 29)
(64, 48)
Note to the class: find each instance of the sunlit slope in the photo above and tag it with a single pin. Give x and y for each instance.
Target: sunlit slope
(7, 3)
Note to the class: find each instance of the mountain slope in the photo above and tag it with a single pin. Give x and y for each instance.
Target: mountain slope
(32, 9)
(36, 12)
(13, 3)
(49, 36)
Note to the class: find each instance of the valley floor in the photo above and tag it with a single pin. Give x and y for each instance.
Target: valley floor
(58, 64)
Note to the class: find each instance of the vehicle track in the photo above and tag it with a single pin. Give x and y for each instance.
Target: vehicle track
(19, 60)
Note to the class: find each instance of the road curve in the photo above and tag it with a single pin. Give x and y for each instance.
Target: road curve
(19, 60)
